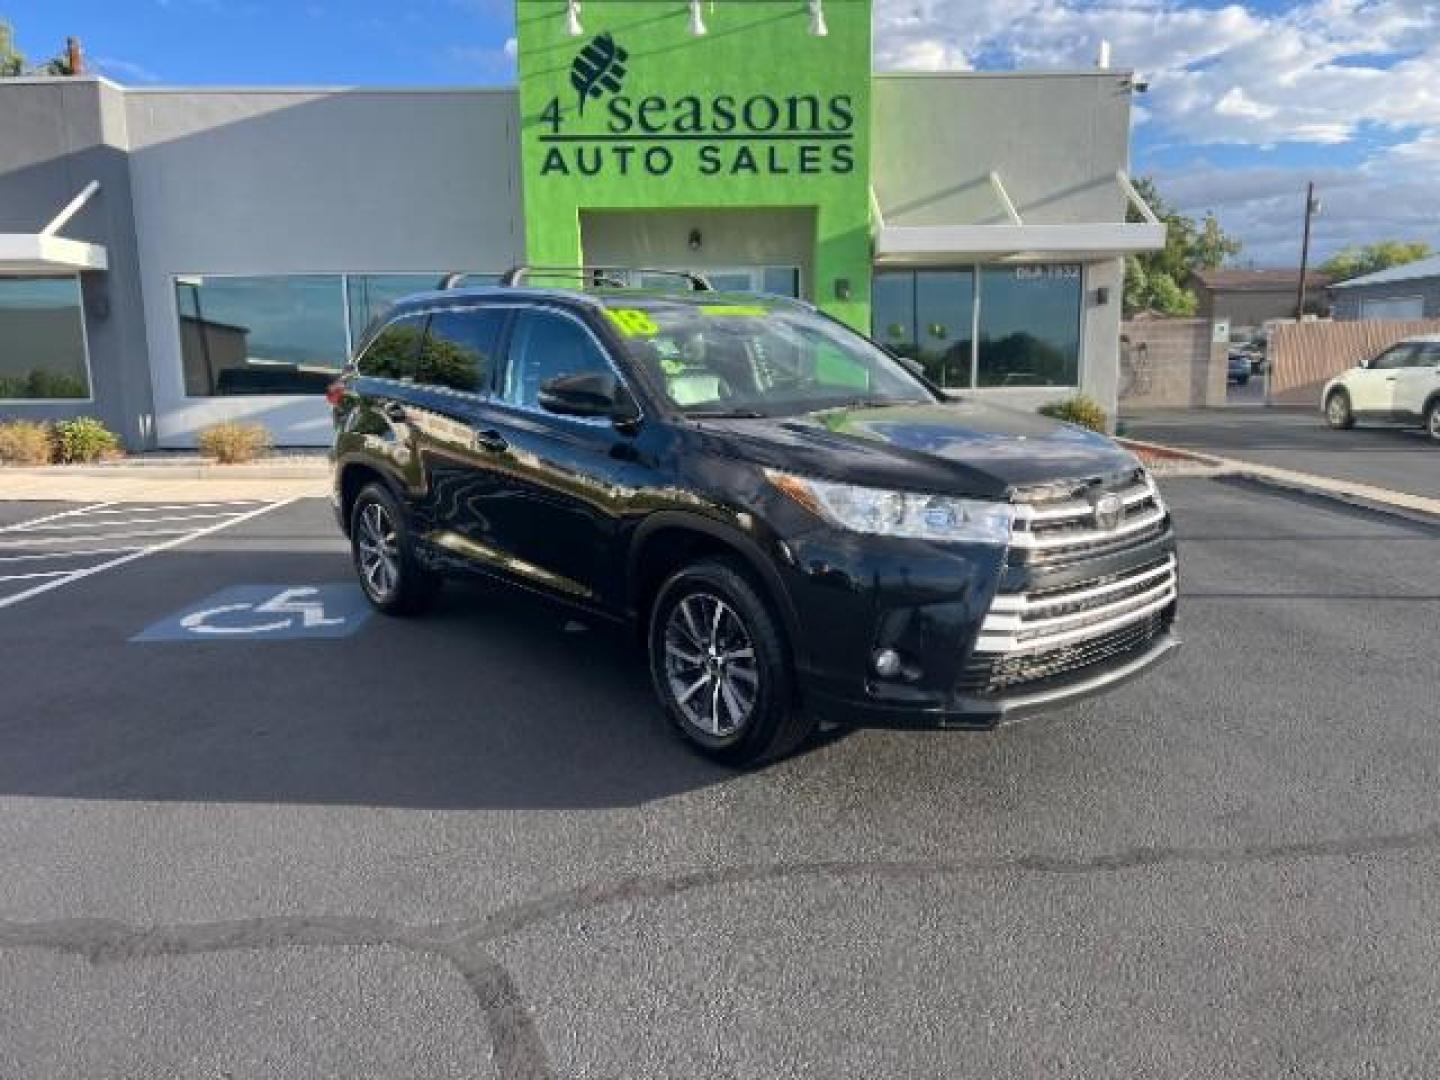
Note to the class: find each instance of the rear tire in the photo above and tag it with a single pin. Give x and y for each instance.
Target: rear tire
(1337, 411)
(1432, 419)
(383, 552)
(720, 667)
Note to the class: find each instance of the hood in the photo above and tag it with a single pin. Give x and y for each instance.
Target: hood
(962, 448)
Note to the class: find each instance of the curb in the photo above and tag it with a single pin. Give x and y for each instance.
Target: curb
(1413, 508)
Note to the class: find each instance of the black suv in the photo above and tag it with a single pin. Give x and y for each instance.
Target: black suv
(800, 524)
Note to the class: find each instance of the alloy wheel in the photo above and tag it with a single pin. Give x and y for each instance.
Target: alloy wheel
(1434, 424)
(710, 665)
(378, 551)
(1337, 410)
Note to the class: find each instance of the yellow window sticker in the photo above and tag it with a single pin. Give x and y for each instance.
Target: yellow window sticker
(633, 322)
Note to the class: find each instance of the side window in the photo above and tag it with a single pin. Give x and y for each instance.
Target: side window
(393, 353)
(459, 349)
(1397, 357)
(543, 347)
(1428, 356)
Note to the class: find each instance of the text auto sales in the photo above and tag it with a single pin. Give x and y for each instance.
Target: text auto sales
(801, 134)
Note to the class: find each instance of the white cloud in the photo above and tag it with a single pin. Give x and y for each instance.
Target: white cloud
(1319, 72)
(123, 70)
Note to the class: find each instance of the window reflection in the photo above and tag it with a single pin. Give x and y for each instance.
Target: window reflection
(1030, 326)
(42, 339)
(260, 335)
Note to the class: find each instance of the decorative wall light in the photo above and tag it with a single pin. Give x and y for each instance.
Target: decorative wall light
(817, 19)
(697, 24)
(694, 240)
(572, 19)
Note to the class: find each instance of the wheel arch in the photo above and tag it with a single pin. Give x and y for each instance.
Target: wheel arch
(354, 475)
(668, 540)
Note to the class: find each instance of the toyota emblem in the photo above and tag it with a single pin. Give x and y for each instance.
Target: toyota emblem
(1108, 509)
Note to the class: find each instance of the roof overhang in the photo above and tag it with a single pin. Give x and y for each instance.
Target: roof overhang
(46, 252)
(1074, 242)
(39, 253)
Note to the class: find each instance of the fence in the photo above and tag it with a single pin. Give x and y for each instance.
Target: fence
(1170, 364)
(1305, 356)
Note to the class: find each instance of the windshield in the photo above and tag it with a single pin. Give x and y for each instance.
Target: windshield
(749, 358)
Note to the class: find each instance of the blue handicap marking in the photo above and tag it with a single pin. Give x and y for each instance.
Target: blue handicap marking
(266, 613)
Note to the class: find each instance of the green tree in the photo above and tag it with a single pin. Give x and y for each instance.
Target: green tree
(1353, 261)
(12, 61)
(1156, 280)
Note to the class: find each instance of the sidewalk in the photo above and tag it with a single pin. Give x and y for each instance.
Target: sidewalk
(191, 480)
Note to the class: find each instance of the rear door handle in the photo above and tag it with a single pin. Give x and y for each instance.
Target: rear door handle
(491, 440)
(1391, 378)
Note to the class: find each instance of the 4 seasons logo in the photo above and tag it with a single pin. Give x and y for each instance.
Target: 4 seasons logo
(716, 135)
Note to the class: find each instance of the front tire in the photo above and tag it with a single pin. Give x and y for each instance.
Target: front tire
(1338, 413)
(384, 555)
(1432, 419)
(720, 667)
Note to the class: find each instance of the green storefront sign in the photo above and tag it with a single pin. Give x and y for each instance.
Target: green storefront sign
(639, 114)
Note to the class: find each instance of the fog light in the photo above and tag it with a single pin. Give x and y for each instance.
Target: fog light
(887, 663)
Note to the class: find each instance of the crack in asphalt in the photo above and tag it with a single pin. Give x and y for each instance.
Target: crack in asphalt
(518, 1051)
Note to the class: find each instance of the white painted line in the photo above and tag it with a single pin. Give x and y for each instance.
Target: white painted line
(36, 574)
(68, 554)
(78, 575)
(127, 521)
(36, 539)
(52, 517)
(141, 508)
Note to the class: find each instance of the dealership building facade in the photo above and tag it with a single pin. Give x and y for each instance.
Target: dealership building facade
(170, 258)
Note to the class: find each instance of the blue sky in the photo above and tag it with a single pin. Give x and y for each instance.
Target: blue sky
(1247, 100)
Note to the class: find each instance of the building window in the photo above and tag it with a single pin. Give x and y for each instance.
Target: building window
(1029, 326)
(1029, 319)
(260, 335)
(42, 339)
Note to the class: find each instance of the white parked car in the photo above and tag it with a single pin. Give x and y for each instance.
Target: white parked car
(1400, 386)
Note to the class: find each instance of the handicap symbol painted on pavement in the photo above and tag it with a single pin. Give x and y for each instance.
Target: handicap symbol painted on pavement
(266, 613)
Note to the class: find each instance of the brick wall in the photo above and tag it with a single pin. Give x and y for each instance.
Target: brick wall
(1170, 364)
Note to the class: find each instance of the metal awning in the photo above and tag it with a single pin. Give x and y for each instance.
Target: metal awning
(1017, 241)
(44, 252)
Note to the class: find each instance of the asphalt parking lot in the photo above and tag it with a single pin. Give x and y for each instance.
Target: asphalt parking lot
(466, 845)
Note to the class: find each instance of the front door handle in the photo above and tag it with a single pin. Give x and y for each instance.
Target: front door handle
(491, 440)
(1391, 378)
(393, 410)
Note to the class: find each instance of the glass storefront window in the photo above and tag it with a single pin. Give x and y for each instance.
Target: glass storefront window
(42, 339)
(1029, 323)
(1030, 326)
(260, 335)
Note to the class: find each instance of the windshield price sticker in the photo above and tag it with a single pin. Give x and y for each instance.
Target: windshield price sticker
(632, 322)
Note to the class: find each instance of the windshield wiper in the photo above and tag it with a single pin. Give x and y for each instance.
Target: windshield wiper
(725, 414)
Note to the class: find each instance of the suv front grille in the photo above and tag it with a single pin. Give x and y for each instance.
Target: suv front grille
(1036, 635)
(1055, 525)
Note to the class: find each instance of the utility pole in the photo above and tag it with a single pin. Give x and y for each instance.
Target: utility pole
(1311, 208)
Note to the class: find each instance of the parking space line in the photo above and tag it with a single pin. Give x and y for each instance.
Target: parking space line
(72, 554)
(166, 545)
(21, 525)
(126, 521)
(141, 508)
(38, 539)
(34, 574)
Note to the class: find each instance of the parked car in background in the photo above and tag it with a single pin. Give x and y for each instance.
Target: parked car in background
(1400, 386)
(1238, 370)
(797, 524)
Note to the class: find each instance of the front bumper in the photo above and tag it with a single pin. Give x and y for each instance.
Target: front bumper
(976, 713)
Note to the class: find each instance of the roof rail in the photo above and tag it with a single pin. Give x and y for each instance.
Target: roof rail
(601, 275)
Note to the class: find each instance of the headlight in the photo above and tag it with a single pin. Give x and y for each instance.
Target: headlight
(899, 513)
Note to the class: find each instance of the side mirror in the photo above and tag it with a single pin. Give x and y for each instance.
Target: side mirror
(910, 364)
(589, 394)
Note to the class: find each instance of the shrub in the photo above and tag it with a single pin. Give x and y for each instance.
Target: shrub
(233, 443)
(1080, 410)
(24, 442)
(82, 440)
